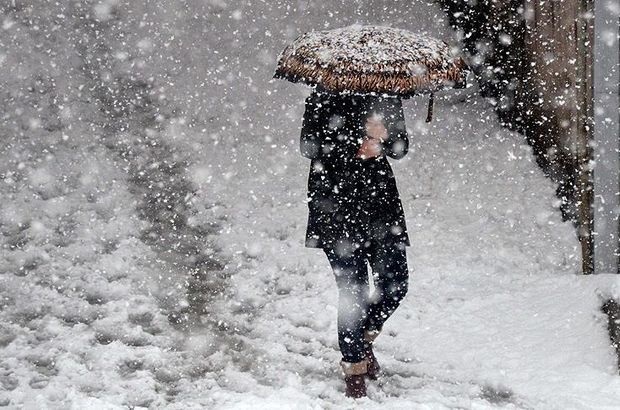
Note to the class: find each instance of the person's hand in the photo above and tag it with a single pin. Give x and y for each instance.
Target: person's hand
(375, 128)
(376, 133)
(370, 148)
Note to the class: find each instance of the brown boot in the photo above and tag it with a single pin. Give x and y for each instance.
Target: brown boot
(354, 378)
(373, 368)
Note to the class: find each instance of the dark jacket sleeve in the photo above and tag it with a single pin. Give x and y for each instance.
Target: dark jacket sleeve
(322, 133)
(397, 144)
(310, 140)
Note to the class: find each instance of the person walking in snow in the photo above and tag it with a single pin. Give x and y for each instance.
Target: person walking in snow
(356, 216)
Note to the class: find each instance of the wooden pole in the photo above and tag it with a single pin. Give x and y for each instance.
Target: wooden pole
(582, 154)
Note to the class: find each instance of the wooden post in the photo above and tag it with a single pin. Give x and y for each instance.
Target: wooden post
(584, 33)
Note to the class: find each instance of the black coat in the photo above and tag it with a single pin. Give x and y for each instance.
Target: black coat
(352, 200)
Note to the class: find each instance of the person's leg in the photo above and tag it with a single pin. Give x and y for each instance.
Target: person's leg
(351, 275)
(391, 279)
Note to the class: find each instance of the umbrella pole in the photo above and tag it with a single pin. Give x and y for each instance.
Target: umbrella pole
(431, 102)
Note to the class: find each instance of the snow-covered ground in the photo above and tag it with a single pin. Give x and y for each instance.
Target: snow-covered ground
(154, 212)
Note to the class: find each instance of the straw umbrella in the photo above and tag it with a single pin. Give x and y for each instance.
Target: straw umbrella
(372, 59)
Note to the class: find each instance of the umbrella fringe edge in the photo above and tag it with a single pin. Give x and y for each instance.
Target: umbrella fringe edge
(297, 70)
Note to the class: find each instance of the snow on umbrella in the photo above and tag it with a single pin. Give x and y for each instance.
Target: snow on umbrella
(372, 59)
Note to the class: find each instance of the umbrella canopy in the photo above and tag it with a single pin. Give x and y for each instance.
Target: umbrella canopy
(372, 59)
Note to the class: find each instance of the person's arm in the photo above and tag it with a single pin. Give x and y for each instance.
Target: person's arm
(320, 136)
(310, 141)
(397, 143)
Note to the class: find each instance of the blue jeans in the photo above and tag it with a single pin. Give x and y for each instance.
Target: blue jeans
(357, 310)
